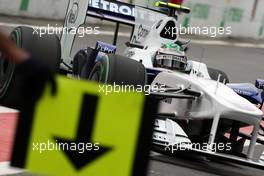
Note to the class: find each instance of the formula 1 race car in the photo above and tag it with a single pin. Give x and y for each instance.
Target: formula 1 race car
(196, 105)
(192, 100)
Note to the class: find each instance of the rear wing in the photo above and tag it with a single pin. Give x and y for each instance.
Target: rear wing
(109, 10)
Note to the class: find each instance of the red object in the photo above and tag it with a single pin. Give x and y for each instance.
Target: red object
(176, 1)
(7, 133)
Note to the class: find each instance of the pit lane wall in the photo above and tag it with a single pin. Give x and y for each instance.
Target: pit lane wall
(245, 17)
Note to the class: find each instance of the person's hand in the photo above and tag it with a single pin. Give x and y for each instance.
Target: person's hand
(33, 74)
(36, 76)
(10, 51)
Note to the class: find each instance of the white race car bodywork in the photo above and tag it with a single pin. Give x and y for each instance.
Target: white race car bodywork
(217, 98)
(169, 133)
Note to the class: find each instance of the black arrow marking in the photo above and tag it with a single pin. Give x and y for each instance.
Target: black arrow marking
(84, 135)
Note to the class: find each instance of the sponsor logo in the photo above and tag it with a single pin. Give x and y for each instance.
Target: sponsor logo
(106, 48)
(119, 8)
(123, 9)
(140, 34)
(73, 13)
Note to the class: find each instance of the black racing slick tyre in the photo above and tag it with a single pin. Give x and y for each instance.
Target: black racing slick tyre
(46, 49)
(214, 73)
(119, 70)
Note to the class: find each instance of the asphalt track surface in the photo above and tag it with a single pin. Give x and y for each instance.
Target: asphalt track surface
(242, 64)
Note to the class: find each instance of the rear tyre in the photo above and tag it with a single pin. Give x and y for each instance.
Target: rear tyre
(45, 49)
(214, 73)
(119, 70)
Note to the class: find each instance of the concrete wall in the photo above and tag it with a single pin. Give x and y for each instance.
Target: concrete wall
(234, 13)
(223, 13)
(257, 23)
(50, 9)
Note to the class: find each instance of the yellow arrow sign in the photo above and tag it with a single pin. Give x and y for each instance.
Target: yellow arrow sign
(83, 132)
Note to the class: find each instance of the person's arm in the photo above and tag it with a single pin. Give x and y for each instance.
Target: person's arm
(11, 51)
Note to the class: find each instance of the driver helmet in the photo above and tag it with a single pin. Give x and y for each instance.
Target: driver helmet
(171, 56)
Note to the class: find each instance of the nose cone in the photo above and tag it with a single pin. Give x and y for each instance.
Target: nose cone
(229, 99)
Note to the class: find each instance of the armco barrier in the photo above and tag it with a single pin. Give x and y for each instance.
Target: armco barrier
(235, 13)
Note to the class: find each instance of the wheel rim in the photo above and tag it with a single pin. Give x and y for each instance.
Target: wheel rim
(95, 76)
(100, 72)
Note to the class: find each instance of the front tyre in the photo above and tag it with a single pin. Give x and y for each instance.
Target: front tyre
(119, 70)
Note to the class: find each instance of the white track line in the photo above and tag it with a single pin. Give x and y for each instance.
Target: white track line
(6, 170)
(124, 34)
(7, 110)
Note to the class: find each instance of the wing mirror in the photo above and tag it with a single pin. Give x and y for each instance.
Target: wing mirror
(259, 83)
